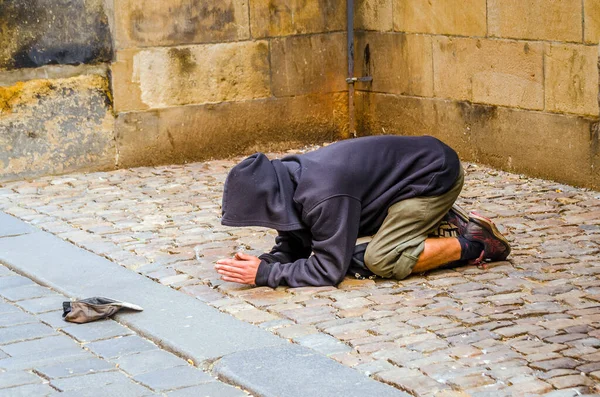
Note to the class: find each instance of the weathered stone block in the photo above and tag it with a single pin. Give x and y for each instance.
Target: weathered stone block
(50, 72)
(536, 19)
(305, 64)
(159, 23)
(399, 63)
(495, 72)
(55, 126)
(591, 23)
(572, 79)
(290, 17)
(126, 87)
(373, 15)
(511, 139)
(36, 33)
(455, 17)
(180, 134)
(161, 77)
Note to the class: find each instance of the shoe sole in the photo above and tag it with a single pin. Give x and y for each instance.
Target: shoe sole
(491, 226)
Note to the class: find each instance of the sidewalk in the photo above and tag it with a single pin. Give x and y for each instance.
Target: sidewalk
(41, 355)
(527, 326)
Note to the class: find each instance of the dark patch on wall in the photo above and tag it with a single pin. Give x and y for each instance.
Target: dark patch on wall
(595, 141)
(34, 33)
(184, 59)
(367, 70)
(182, 22)
(221, 18)
(196, 18)
(367, 56)
(475, 113)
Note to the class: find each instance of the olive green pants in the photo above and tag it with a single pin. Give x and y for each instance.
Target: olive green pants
(397, 245)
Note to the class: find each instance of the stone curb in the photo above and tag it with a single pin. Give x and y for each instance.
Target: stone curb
(246, 355)
(304, 373)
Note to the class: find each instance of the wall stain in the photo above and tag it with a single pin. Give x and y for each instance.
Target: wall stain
(36, 33)
(183, 21)
(220, 17)
(477, 114)
(184, 59)
(595, 141)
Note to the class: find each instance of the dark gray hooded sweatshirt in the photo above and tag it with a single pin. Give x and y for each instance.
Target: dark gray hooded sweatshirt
(322, 201)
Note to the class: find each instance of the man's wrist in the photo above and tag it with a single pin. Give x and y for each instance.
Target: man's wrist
(262, 273)
(268, 258)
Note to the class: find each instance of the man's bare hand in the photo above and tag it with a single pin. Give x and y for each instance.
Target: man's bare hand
(241, 269)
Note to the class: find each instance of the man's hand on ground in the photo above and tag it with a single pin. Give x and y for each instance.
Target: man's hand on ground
(241, 269)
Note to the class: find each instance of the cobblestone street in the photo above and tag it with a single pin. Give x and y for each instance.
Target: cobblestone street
(528, 326)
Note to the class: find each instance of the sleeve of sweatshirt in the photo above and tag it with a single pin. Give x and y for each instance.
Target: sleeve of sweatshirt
(288, 248)
(334, 227)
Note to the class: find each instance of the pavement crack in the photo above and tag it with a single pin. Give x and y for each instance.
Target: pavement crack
(40, 374)
(14, 235)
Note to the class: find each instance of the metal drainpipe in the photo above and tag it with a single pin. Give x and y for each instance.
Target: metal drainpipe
(351, 79)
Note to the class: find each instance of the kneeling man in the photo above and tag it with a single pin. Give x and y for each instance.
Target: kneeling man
(396, 189)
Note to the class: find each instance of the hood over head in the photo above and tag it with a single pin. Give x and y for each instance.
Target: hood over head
(259, 192)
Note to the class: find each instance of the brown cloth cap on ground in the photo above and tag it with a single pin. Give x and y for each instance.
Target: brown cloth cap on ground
(92, 309)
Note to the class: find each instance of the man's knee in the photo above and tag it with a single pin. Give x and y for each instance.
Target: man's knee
(377, 262)
(395, 264)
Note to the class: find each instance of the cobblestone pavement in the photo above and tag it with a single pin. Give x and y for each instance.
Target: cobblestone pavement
(42, 355)
(529, 326)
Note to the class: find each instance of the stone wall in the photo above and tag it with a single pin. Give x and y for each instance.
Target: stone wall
(54, 117)
(509, 83)
(99, 84)
(199, 78)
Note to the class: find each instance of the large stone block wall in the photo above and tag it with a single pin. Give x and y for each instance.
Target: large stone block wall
(200, 78)
(100, 84)
(510, 83)
(55, 117)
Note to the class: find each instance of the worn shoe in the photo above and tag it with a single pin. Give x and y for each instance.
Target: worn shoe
(483, 230)
(457, 217)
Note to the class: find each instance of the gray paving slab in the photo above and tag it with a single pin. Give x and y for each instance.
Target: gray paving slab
(7, 308)
(15, 318)
(11, 226)
(281, 371)
(89, 381)
(173, 378)
(18, 378)
(24, 332)
(148, 361)
(73, 368)
(54, 319)
(41, 305)
(118, 347)
(54, 262)
(96, 330)
(44, 358)
(40, 346)
(120, 389)
(25, 292)
(6, 272)
(216, 389)
(9, 282)
(37, 390)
